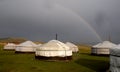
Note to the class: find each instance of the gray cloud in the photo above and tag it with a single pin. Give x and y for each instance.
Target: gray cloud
(41, 19)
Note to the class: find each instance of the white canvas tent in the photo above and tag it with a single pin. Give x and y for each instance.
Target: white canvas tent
(54, 49)
(94, 48)
(27, 46)
(10, 46)
(72, 46)
(97, 45)
(39, 44)
(115, 59)
(102, 48)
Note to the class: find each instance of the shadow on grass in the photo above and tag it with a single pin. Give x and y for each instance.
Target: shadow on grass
(36, 69)
(7, 53)
(94, 55)
(96, 65)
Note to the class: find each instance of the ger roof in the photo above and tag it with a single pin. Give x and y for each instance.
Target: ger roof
(71, 44)
(53, 45)
(10, 44)
(105, 44)
(27, 43)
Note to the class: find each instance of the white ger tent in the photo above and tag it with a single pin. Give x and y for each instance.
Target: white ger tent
(115, 59)
(10, 46)
(27, 46)
(102, 48)
(39, 44)
(54, 49)
(73, 47)
(94, 48)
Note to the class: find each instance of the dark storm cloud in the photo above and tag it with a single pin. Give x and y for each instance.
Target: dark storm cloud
(42, 19)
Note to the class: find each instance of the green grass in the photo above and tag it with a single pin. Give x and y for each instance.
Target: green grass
(82, 62)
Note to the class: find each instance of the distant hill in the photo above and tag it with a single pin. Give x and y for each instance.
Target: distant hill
(84, 48)
(12, 40)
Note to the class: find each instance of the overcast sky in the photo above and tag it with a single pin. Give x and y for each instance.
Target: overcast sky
(83, 21)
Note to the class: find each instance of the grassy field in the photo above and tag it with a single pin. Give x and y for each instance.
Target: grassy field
(82, 62)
